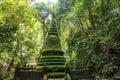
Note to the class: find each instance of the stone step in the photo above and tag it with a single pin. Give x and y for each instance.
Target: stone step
(57, 79)
(52, 60)
(51, 63)
(51, 67)
(52, 57)
(52, 53)
(56, 70)
(55, 75)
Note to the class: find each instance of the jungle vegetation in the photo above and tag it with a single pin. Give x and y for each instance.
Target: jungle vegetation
(89, 31)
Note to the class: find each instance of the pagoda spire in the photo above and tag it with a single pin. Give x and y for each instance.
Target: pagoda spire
(53, 27)
(52, 41)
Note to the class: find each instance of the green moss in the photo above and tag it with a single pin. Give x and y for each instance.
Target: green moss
(52, 60)
(52, 63)
(52, 57)
(52, 53)
(52, 42)
(53, 33)
(56, 75)
(52, 67)
(39, 67)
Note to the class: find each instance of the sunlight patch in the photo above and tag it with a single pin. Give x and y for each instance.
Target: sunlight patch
(46, 1)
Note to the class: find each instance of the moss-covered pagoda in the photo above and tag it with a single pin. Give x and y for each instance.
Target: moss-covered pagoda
(52, 55)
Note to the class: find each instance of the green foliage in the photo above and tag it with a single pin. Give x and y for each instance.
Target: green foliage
(89, 31)
(45, 11)
(20, 32)
(43, 8)
(93, 34)
(3, 74)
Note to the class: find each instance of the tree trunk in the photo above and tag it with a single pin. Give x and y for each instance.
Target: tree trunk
(14, 54)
